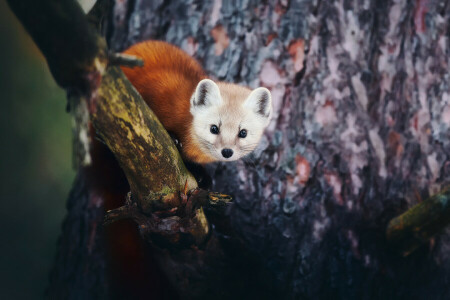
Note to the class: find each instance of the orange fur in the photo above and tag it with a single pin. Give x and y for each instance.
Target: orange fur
(166, 82)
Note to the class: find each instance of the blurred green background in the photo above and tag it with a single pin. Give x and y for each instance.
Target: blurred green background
(35, 163)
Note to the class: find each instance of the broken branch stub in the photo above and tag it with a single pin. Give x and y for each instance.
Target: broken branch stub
(420, 223)
(121, 59)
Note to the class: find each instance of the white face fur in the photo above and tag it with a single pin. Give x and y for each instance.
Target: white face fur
(229, 120)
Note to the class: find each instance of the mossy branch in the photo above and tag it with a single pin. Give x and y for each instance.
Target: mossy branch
(140, 143)
(420, 223)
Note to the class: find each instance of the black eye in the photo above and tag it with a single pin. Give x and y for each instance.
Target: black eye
(242, 133)
(214, 129)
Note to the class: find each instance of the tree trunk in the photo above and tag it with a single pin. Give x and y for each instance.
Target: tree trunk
(360, 133)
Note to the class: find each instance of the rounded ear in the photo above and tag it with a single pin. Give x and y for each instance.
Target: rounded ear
(206, 94)
(260, 101)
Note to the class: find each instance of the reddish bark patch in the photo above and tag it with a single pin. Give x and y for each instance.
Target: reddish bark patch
(395, 146)
(419, 15)
(270, 38)
(221, 39)
(303, 169)
(415, 122)
(281, 7)
(326, 114)
(191, 46)
(335, 183)
(297, 51)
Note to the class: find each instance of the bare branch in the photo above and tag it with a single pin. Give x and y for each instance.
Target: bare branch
(120, 59)
(123, 212)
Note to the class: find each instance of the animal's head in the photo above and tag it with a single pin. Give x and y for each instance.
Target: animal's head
(229, 120)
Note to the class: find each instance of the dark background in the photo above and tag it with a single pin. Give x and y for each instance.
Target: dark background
(35, 163)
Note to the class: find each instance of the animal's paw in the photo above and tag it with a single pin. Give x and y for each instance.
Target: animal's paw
(177, 142)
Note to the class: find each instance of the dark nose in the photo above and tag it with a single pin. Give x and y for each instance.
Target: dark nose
(227, 153)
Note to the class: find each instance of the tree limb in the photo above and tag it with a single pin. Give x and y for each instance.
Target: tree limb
(420, 223)
(76, 62)
(142, 146)
(120, 59)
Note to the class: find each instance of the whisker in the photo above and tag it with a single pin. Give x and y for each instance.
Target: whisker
(209, 146)
(247, 149)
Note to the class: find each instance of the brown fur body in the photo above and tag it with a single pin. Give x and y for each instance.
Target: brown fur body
(167, 82)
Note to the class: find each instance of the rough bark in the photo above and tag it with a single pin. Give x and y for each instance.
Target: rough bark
(82, 259)
(360, 132)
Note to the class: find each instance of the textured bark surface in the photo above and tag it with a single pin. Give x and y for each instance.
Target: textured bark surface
(361, 132)
(79, 270)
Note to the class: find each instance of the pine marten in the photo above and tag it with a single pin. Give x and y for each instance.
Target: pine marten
(213, 121)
